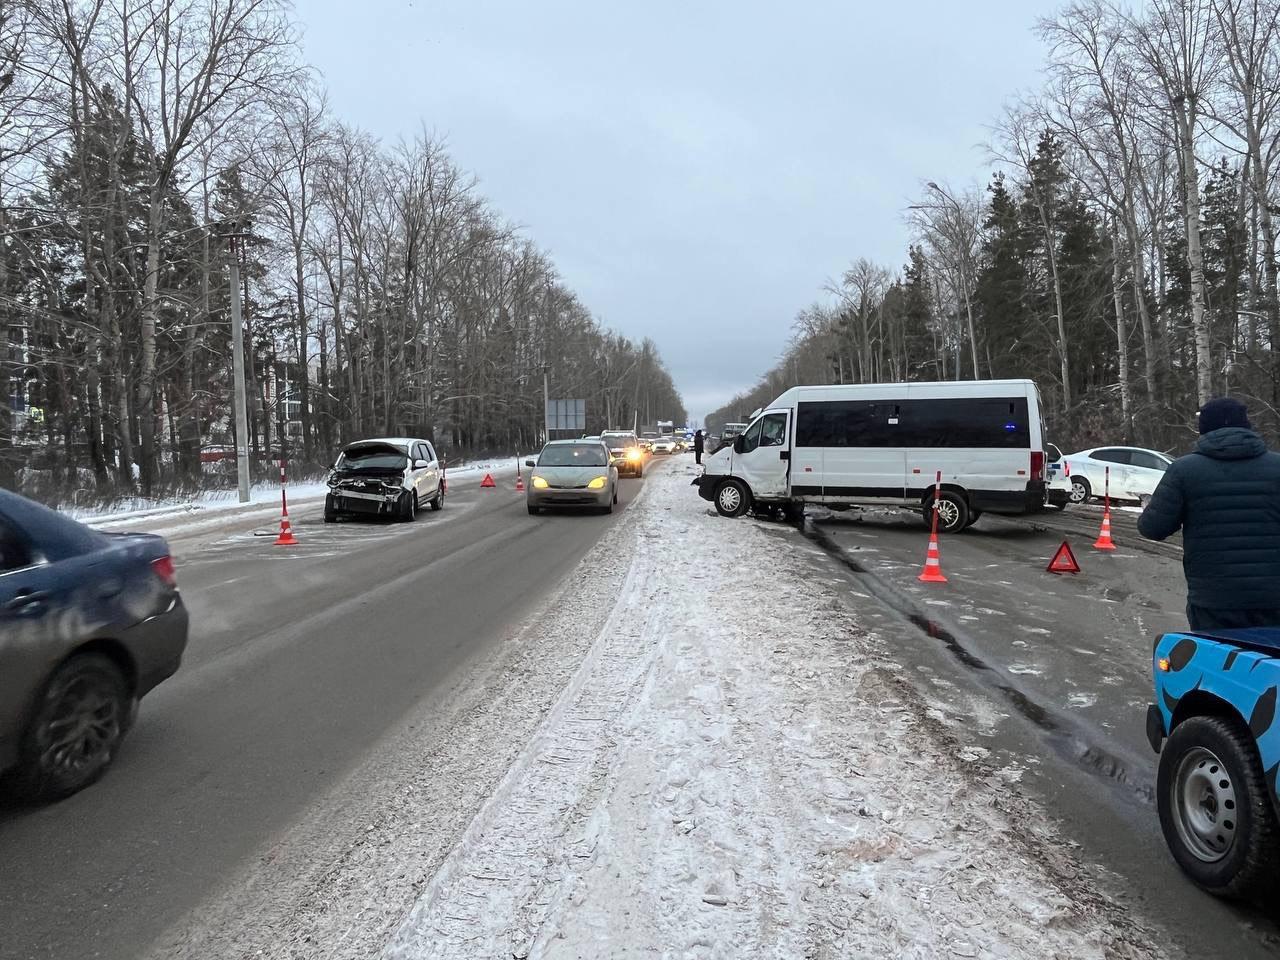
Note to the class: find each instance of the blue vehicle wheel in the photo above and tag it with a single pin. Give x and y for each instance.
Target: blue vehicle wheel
(1217, 817)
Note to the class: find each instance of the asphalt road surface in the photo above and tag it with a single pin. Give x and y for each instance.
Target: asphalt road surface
(1052, 673)
(300, 660)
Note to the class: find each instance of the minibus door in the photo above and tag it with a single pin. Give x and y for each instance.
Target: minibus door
(762, 455)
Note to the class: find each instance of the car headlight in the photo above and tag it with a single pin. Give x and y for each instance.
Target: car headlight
(596, 484)
(539, 483)
(633, 453)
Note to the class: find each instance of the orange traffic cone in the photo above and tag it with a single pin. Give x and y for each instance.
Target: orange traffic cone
(487, 482)
(932, 572)
(286, 538)
(1104, 541)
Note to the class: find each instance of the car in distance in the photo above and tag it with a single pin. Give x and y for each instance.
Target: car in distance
(625, 452)
(572, 473)
(1135, 472)
(664, 445)
(89, 624)
(387, 477)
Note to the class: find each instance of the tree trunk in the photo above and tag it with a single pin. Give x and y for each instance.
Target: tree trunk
(1140, 301)
(1122, 340)
(147, 370)
(1195, 258)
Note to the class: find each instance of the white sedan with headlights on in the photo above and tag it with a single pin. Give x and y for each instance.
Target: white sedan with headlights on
(1135, 472)
(573, 473)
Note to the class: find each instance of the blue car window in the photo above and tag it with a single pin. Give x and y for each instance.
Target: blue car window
(15, 553)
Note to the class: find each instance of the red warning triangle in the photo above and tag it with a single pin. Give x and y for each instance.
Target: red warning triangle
(1064, 561)
(488, 481)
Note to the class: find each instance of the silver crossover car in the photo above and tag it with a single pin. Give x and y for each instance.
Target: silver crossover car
(573, 473)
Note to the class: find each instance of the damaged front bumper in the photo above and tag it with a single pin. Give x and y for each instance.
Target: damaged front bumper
(364, 496)
(706, 486)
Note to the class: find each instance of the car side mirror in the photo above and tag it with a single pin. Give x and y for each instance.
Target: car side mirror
(421, 465)
(738, 444)
(531, 463)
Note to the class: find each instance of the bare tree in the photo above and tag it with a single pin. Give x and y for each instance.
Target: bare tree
(1177, 46)
(951, 226)
(197, 60)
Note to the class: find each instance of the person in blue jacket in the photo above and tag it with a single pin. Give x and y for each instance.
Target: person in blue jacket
(1225, 497)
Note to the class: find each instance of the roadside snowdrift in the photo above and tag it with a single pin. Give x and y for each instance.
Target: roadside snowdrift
(736, 770)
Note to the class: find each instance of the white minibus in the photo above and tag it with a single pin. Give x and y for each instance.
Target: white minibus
(884, 444)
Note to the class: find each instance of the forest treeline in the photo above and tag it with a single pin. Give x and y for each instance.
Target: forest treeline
(1122, 253)
(143, 144)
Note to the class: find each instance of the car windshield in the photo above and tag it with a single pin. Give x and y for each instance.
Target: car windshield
(372, 458)
(573, 455)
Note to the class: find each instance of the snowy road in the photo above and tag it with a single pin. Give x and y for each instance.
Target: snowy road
(1052, 674)
(665, 734)
(301, 663)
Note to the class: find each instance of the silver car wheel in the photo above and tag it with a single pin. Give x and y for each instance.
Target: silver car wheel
(948, 513)
(1204, 805)
(730, 498)
(1079, 491)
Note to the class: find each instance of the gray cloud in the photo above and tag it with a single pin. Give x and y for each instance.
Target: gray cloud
(698, 170)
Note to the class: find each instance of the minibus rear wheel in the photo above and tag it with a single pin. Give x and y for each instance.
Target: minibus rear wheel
(953, 512)
(733, 499)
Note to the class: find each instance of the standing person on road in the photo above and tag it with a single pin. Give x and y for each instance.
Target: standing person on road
(1225, 497)
(698, 444)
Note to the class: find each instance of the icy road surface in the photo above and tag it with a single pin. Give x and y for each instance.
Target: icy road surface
(737, 770)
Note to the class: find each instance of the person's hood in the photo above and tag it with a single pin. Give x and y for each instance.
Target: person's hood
(1231, 443)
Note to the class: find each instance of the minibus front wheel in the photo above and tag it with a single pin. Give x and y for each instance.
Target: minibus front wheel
(953, 512)
(733, 499)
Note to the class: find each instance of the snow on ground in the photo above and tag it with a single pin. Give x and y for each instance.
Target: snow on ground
(215, 507)
(737, 770)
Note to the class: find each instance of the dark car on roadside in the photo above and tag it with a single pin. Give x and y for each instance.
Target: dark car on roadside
(89, 623)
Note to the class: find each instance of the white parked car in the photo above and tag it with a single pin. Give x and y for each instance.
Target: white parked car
(1135, 472)
(388, 477)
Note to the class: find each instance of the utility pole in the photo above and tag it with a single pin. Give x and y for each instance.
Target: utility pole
(546, 408)
(241, 400)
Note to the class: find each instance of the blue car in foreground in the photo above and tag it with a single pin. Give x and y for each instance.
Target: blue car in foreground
(89, 623)
(1215, 726)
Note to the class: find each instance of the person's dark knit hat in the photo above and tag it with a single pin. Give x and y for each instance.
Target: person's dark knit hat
(1223, 412)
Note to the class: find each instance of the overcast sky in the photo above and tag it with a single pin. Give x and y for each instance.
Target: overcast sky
(697, 170)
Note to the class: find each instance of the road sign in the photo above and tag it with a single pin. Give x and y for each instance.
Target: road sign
(567, 415)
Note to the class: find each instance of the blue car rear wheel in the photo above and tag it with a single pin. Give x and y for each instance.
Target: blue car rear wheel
(1215, 812)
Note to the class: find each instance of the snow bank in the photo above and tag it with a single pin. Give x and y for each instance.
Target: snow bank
(737, 770)
(215, 507)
